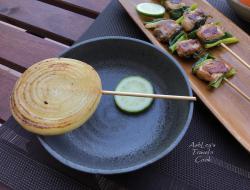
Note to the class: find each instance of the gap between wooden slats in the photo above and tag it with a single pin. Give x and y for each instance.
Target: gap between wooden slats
(23, 30)
(88, 8)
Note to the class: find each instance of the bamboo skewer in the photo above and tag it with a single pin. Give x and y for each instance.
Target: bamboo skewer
(135, 94)
(237, 89)
(235, 55)
(242, 62)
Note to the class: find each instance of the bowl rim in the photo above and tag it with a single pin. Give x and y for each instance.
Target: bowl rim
(81, 168)
(242, 5)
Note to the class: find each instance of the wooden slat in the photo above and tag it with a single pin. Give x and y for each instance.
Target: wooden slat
(20, 50)
(44, 20)
(7, 82)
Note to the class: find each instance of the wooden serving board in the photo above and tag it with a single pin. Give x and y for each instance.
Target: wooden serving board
(227, 105)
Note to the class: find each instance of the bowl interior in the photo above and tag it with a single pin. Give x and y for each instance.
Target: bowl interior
(113, 141)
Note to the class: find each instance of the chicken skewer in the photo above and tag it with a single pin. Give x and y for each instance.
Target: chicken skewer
(193, 18)
(168, 31)
(212, 35)
(212, 70)
(215, 71)
(193, 22)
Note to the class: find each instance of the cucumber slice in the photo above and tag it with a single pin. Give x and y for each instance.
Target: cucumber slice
(133, 104)
(150, 9)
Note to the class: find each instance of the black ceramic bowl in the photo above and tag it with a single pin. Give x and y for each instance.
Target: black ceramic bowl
(113, 141)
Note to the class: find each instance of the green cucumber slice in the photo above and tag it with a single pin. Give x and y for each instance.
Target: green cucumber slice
(133, 104)
(150, 9)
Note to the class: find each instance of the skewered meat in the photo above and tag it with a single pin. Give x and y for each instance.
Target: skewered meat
(212, 69)
(193, 19)
(166, 29)
(188, 48)
(174, 4)
(210, 32)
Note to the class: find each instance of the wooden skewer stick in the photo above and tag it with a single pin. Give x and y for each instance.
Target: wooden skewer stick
(135, 94)
(237, 89)
(235, 55)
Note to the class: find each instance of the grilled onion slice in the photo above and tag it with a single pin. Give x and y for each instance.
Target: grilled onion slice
(55, 96)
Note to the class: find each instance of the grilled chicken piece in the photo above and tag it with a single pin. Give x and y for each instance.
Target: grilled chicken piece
(212, 69)
(188, 48)
(210, 32)
(192, 18)
(174, 4)
(166, 29)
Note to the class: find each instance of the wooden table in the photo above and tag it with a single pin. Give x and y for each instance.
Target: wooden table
(32, 30)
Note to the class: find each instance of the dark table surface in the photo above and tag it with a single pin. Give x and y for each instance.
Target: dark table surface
(24, 164)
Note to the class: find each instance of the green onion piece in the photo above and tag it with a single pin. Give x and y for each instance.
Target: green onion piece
(193, 7)
(225, 41)
(217, 23)
(180, 20)
(201, 62)
(154, 20)
(175, 38)
(196, 66)
(216, 83)
(226, 35)
(174, 46)
(152, 24)
(230, 73)
(230, 40)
